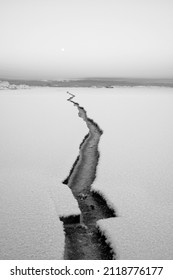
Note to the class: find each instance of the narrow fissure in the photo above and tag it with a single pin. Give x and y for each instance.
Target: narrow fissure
(83, 239)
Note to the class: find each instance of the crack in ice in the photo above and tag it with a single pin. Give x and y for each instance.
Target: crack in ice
(83, 240)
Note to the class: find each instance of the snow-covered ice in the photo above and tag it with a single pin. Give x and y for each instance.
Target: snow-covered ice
(30, 227)
(135, 167)
(40, 137)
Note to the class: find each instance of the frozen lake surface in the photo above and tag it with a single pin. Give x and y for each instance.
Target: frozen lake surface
(135, 172)
(40, 137)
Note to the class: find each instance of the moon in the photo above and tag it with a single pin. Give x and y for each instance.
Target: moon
(62, 49)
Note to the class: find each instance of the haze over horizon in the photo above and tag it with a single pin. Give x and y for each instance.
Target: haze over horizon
(65, 39)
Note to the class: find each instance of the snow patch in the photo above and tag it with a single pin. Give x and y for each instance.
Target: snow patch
(65, 201)
(132, 238)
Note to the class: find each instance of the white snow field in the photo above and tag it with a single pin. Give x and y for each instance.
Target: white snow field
(40, 137)
(135, 172)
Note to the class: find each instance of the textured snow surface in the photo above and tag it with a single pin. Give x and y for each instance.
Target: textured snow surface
(135, 172)
(30, 227)
(65, 201)
(40, 137)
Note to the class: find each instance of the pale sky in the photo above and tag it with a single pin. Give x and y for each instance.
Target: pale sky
(55, 39)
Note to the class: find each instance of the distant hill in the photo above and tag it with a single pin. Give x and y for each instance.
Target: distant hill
(94, 82)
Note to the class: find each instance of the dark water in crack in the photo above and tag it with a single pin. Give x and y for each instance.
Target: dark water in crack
(83, 240)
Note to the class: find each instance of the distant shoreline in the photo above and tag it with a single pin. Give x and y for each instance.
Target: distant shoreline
(93, 82)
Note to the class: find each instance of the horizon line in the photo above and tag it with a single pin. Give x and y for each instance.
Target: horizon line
(84, 78)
